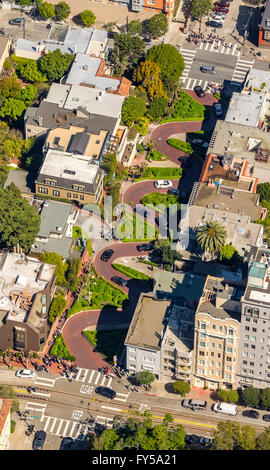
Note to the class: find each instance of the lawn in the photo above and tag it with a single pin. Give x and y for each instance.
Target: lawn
(160, 173)
(60, 349)
(130, 272)
(154, 199)
(109, 343)
(185, 108)
(131, 228)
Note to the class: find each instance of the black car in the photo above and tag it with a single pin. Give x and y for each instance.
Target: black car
(266, 418)
(66, 443)
(185, 162)
(251, 414)
(145, 247)
(17, 21)
(214, 24)
(106, 255)
(119, 280)
(199, 91)
(105, 392)
(39, 440)
(174, 192)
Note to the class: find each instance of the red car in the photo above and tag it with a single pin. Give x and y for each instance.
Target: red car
(223, 4)
(222, 10)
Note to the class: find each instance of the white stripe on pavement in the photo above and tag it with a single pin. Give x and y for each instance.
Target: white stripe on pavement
(91, 376)
(110, 408)
(59, 427)
(65, 430)
(53, 425)
(97, 378)
(47, 423)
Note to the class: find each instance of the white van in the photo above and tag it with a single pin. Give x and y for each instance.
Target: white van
(159, 184)
(25, 373)
(225, 408)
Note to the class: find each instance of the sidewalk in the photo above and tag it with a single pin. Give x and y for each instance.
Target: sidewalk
(159, 388)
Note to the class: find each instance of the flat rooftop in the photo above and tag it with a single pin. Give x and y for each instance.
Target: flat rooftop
(258, 286)
(230, 200)
(84, 70)
(180, 328)
(218, 312)
(240, 141)
(72, 167)
(258, 79)
(146, 326)
(245, 109)
(182, 287)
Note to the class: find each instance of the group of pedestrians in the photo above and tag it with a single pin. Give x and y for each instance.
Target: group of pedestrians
(210, 38)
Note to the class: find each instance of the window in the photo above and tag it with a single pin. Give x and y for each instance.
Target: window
(132, 349)
(56, 140)
(229, 350)
(81, 197)
(97, 141)
(252, 355)
(41, 341)
(248, 311)
(230, 341)
(75, 196)
(253, 346)
(201, 371)
(253, 338)
(202, 344)
(44, 309)
(203, 326)
(217, 373)
(262, 340)
(212, 354)
(218, 364)
(229, 367)
(245, 363)
(43, 299)
(251, 364)
(201, 353)
(212, 363)
(246, 336)
(211, 372)
(248, 319)
(202, 335)
(228, 376)
(255, 312)
(254, 330)
(213, 345)
(214, 327)
(219, 346)
(230, 332)
(228, 358)
(56, 193)
(245, 345)
(50, 182)
(132, 357)
(43, 190)
(201, 362)
(245, 354)
(148, 359)
(220, 329)
(68, 194)
(247, 328)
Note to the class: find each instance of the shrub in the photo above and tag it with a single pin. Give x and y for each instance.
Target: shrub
(130, 272)
(88, 18)
(155, 155)
(60, 349)
(145, 378)
(183, 388)
(181, 145)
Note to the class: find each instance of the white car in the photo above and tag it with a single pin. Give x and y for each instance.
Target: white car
(219, 18)
(25, 374)
(200, 142)
(162, 184)
(218, 109)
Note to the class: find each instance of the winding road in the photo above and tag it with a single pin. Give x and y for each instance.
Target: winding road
(77, 345)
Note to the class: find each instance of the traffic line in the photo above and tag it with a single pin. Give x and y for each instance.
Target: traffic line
(41, 394)
(91, 376)
(111, 408)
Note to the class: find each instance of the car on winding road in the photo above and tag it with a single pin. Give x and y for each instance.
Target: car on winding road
(66, 443)
(106, 255)
(160, 184)
(25, 374)
(119, 280)
(218, 109)
(145, 247)
(251, 414)
(266, 418)
(199, 91)
(106, 392)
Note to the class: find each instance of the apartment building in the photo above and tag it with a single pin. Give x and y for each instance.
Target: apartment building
(264, 28)
(216, 335)
(254, 349)
(26, 290)
(67, 176)
(157, 6)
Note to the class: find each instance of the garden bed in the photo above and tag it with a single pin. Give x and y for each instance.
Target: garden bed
(180, 145)
(185, 108)
(60, 349)
(152, 200)
(160, 173)
(130, 272)
(131, 228)
(107, 343)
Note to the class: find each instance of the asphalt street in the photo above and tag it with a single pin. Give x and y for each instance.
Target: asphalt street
(224, 65)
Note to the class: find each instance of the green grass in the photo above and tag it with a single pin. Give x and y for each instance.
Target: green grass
(12, 426)
(156, 156)
(185, 108)
(130, 272)
(131, 228)
(108, 343)
(60, 349)
(76, 232)
(165, 120)
(154, 199)
(150, 173)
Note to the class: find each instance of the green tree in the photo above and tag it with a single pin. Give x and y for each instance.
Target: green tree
(19, 222)
(62, 11)
(55, 64)
(264, 191)
(10, 87)
(183, 388)
(157, 25)
(263, 440)
(46, 10)
(61, 267)
(251, 396)
(211, 237)
(58, 305)
(145, 377)
(133, 109)
(162, 249)
(228, 395)
(109, 165)
(230, 435)
(88, 18)
(170, 61)
(134, 27)
(30, 73)
(157, 108)
(228, 254)
(127, 51)
(265, 398)
(146, 75)
(201, 8)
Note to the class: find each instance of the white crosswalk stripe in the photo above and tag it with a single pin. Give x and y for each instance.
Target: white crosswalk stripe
(64, 427)
(241, 69)
(188, 56)
(190, 83)
(125, 395)
(44, 381)
(218, 46)
(37, 407)
(93, 377)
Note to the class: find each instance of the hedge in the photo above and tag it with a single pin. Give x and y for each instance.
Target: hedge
(160, 173)
(180, 145)
(130, 272)
(60, 349)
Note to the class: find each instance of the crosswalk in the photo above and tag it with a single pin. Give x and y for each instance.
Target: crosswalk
(190, 83)
(218, 46)
(188, 56)
(35, 408)
(64, 427)
(43, 381)
(241, 69)
(94, 377)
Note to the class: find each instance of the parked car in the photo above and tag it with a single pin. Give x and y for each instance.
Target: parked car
(200, 142)
(119, 280)
(194, 405)
(221, 10)
(222, 4)
(106, 255)
(185, 162)
(39, 440)
(251, 414)
(218, 17)
(162, 184)
(174, 192)
(218, 109)
(214, 24)
(17, 21)
(105, 392)
(25, 373)
(199, 91)
(145, 247)
(266, 418)
(66, 443)
(205, 441)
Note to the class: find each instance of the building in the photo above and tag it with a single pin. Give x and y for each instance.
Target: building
(56, 228)
(216, 335)
(264, 28)
(157, 6)
(182, 288)
(93, 72)
(69, 40)
(69, 176)
(88, 108)
(4, 50)
(248, 110)
(77, 140)
(254, 349)
(26, 290)
(5, 407)
(238, 143)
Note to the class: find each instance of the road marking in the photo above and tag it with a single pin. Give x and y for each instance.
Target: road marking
(111, 408)
(42, 405)
(77, 414)
(97, 378)
(47, 423)
(65, 430)
(91, 376)
(103, 380)
(78, 375)
(72, 428)
(109, 382)
(53, 425)
(41, 394)
(45, 382)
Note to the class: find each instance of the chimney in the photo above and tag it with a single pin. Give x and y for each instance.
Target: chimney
(40, 120)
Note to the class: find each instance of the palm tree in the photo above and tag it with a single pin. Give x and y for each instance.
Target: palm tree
(211, 237)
